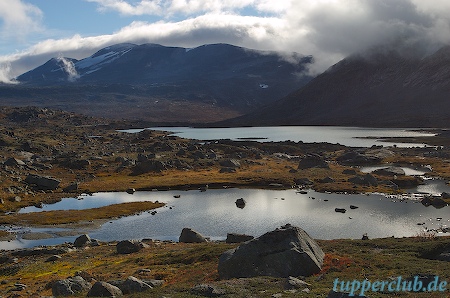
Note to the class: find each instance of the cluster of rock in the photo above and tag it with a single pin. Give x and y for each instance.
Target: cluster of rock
(116, 288)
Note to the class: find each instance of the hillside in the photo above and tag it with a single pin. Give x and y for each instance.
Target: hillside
(374, 90)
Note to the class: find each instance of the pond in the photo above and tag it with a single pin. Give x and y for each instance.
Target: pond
(214, 214)
(348, 136)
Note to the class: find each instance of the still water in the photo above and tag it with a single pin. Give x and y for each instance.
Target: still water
(214, 214)
(348, 136)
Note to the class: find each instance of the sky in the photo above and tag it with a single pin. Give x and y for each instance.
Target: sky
(34, 31)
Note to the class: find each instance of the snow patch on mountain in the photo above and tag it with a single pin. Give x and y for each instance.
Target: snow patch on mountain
(96, 62)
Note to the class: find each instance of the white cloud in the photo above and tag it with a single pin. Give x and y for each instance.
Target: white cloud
(327, 29)
(187, 7)
(19, 19)
(149, 7)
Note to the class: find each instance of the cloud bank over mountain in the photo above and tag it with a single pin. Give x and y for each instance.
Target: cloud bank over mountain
(327, 29)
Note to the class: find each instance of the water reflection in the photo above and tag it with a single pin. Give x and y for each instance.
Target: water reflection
(348, 136)
(213, 213)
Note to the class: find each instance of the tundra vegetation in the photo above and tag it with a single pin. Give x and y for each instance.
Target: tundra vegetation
(48, 155)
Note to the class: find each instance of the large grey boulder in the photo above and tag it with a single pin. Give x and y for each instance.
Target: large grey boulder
(104, 289)
(42, 182)
(70, 286)
(190, 236)
(134, 285)
(287, 251)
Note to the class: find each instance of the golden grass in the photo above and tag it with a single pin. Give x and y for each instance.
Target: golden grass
(184, 265)
(74, 216)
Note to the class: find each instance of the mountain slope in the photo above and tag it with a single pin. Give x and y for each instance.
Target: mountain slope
(377, 89)
(218, 76)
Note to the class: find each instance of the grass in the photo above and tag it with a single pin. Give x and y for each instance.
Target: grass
(184, 265)
(75, 216)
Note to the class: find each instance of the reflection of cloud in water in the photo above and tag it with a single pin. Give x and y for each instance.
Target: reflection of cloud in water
(214, 213)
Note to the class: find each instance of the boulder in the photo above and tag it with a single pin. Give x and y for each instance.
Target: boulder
(390, 171)
(286, 251)
(134, 285)
(326, 180)
(238, 238)
(312, 161)
(437, 203)
(104, 289)
(367, 180)
(230, 163)
(240, 203)
(149, 166)
(349, 172)
(82, 240)
(354, 158)
(128, 247)
(12, 162)
(227, 170)
(42, 182)
(70, 286)
(71, 188)
(190, 236)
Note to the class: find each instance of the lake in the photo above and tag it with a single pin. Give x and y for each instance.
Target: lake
(214, 214)
(348, 136)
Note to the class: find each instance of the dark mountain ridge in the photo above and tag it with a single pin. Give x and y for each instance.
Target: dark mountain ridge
(375, 90)
(221, 79)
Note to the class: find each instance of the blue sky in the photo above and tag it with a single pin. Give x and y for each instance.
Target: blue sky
(33, 31)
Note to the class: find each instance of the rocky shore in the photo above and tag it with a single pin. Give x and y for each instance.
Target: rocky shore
(47, 155)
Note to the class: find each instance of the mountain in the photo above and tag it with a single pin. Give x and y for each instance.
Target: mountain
(378, 88)
(212, 82)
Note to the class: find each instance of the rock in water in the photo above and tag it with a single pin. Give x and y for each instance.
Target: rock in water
(190, 236)
(287, 251)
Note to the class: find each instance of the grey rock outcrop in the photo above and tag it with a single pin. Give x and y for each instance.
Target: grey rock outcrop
(190, 236)
(312, 161)
(390, 171)
(104, 289)
(42, 182)
(70, 286)
(354, 158)
(287, 251)
(367, 180)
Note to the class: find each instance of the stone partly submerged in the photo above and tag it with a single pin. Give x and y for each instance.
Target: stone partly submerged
(286, 251)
